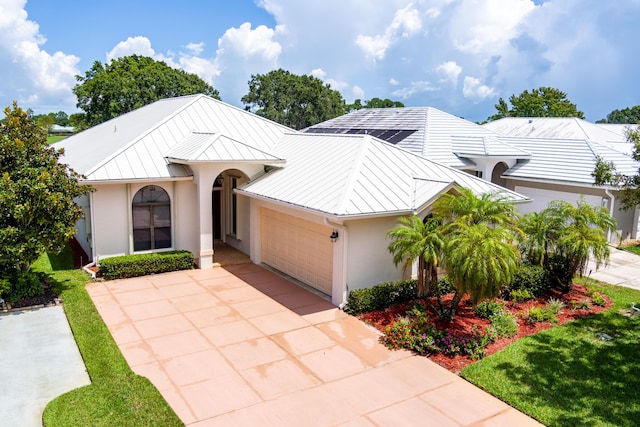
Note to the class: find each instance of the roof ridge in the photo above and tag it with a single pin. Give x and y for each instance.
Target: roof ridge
(364, 148)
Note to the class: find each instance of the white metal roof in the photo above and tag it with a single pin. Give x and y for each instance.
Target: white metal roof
(134, 145)
(566, 160)
(554, 127)
(215, 147)
(485, 146)
(358, 175)
(437, 135)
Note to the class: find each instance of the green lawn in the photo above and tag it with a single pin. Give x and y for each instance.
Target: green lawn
(634, 249)
(567, 376)
(53, 139)
(116, 396)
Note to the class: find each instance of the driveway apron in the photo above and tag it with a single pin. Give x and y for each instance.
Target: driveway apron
(241, 345)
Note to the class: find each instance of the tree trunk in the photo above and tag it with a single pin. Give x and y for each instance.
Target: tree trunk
(421, 286)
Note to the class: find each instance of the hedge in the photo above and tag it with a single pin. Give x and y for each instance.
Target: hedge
(380, 296)
(122, 267)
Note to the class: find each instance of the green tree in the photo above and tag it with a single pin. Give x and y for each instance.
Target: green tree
(292, 100)
(374, 103)
(571, 233)
(481, 254)
(415, 239)
(605, 173)
(629, 115)
(126, 83)
(542, 102)
(37, 193)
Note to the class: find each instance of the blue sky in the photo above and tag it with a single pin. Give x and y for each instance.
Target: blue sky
(460, 56)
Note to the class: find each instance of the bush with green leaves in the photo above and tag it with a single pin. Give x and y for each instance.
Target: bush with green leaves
(489, 307)
(16, 285)
(380, 296)
(533, 278)
(597, 298)
(520, 295)
(504, 325)
(539, 314)
(121, 267)
(583, 304)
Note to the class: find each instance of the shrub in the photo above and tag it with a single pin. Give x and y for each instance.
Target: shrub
(380, 296)
(597, 298)
(520, 295)
(555, 305)
(136, 265)
(445, 286)
(16, 285)
(533, 278)
(539, 314)
(504, 325)
(583, 304)
(398, 335)
(488, 308)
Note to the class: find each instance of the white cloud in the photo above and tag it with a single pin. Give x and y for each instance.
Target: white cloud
(413, 89)
(358, 92)
(29, 73)
(450, 71)
(487, 25)
(319, 73)
(406, 23)
(138, 45)
(474, 89)
(195, 48)
(245, 42)
(393, 82)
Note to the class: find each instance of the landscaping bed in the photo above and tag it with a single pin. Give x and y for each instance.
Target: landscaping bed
(467, 324)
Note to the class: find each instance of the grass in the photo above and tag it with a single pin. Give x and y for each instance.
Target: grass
(633, 249)
(568, 376)
(116, 396)
(53, 139)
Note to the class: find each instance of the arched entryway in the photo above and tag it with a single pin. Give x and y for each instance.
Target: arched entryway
(496, 176)
(226, 206)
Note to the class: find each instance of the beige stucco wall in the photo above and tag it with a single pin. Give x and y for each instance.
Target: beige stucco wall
(368, 260)
(185, 216)
(110, 218)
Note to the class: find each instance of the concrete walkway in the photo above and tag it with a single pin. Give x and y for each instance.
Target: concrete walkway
(39, 362)
(623, 269)
(242, 346)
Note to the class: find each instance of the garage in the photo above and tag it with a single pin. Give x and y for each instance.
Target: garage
(299, 248)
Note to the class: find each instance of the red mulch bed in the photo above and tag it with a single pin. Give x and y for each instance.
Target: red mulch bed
(465, 319)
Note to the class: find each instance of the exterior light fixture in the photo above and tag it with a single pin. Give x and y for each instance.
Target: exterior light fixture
(334, 236)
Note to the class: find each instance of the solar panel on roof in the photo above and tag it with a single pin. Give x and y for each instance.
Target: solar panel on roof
(392, 136)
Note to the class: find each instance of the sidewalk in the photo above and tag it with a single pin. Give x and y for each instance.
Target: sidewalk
(40, 361)
(623, 269)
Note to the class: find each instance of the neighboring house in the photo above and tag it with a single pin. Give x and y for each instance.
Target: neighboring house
(564, 154)
(543, 159)
(61, 130)
(183, 172)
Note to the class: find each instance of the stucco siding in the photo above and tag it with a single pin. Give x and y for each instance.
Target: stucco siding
(110, 219)
(184, 205)
(368, 259)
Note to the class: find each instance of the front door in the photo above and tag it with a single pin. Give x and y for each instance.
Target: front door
(216, 210)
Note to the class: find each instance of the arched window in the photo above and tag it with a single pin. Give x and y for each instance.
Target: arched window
(151, 219)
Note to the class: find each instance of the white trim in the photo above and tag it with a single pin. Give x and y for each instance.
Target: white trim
(558, 182)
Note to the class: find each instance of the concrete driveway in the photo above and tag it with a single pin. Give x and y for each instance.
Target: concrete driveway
(623, 269)
(240, 345)
(39, 362)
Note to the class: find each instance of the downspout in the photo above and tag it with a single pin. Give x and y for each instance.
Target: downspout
(613, 200)
(344, 232)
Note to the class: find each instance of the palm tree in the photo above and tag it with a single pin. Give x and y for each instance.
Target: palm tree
(573, 233)
(480, 259)
(414, 239)
(481, 254)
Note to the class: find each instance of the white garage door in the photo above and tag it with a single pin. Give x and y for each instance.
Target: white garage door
(541, 198)
(298, 248)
